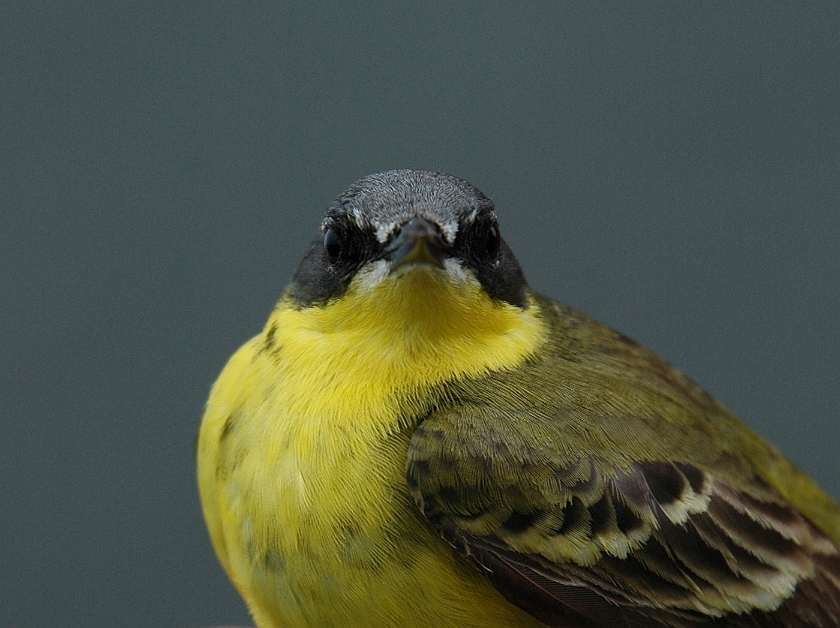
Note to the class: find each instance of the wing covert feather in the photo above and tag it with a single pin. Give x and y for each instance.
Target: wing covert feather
(616, 494)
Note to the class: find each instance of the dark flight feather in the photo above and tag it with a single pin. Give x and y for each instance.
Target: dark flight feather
(587, 507)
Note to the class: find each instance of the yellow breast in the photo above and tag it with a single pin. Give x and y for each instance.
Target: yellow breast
(302, 451)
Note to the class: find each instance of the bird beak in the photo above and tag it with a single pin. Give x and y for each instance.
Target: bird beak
(417, 241)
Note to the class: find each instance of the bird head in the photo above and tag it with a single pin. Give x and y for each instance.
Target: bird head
(409, 235)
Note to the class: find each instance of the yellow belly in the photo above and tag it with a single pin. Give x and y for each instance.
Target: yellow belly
(316, 527)
(340, 543)
(301, 459)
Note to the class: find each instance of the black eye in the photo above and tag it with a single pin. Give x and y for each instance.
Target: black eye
(492, 241)
(332, 245)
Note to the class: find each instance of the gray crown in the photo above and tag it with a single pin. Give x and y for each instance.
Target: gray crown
(383, 201)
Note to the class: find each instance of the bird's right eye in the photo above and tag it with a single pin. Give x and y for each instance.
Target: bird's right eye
(492, 240)
(332, 245)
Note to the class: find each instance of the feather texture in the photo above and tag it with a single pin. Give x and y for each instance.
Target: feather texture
(590, 508)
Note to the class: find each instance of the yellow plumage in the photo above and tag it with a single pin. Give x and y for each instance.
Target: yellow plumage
(302, 455)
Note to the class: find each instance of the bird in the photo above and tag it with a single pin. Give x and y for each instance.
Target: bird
(417, 438)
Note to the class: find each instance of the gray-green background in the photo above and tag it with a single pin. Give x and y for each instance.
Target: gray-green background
(670, 168)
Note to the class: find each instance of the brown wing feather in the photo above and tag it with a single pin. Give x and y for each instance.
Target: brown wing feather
(705, 552)
(597, 485)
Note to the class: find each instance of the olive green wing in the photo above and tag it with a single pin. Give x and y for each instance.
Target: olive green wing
(630, 507)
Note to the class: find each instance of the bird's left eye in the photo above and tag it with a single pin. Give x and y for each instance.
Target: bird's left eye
(492, 240)
(332, 245)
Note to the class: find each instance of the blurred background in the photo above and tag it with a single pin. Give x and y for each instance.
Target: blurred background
(673, 169)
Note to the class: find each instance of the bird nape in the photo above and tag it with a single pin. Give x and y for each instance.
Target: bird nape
(416, 438)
